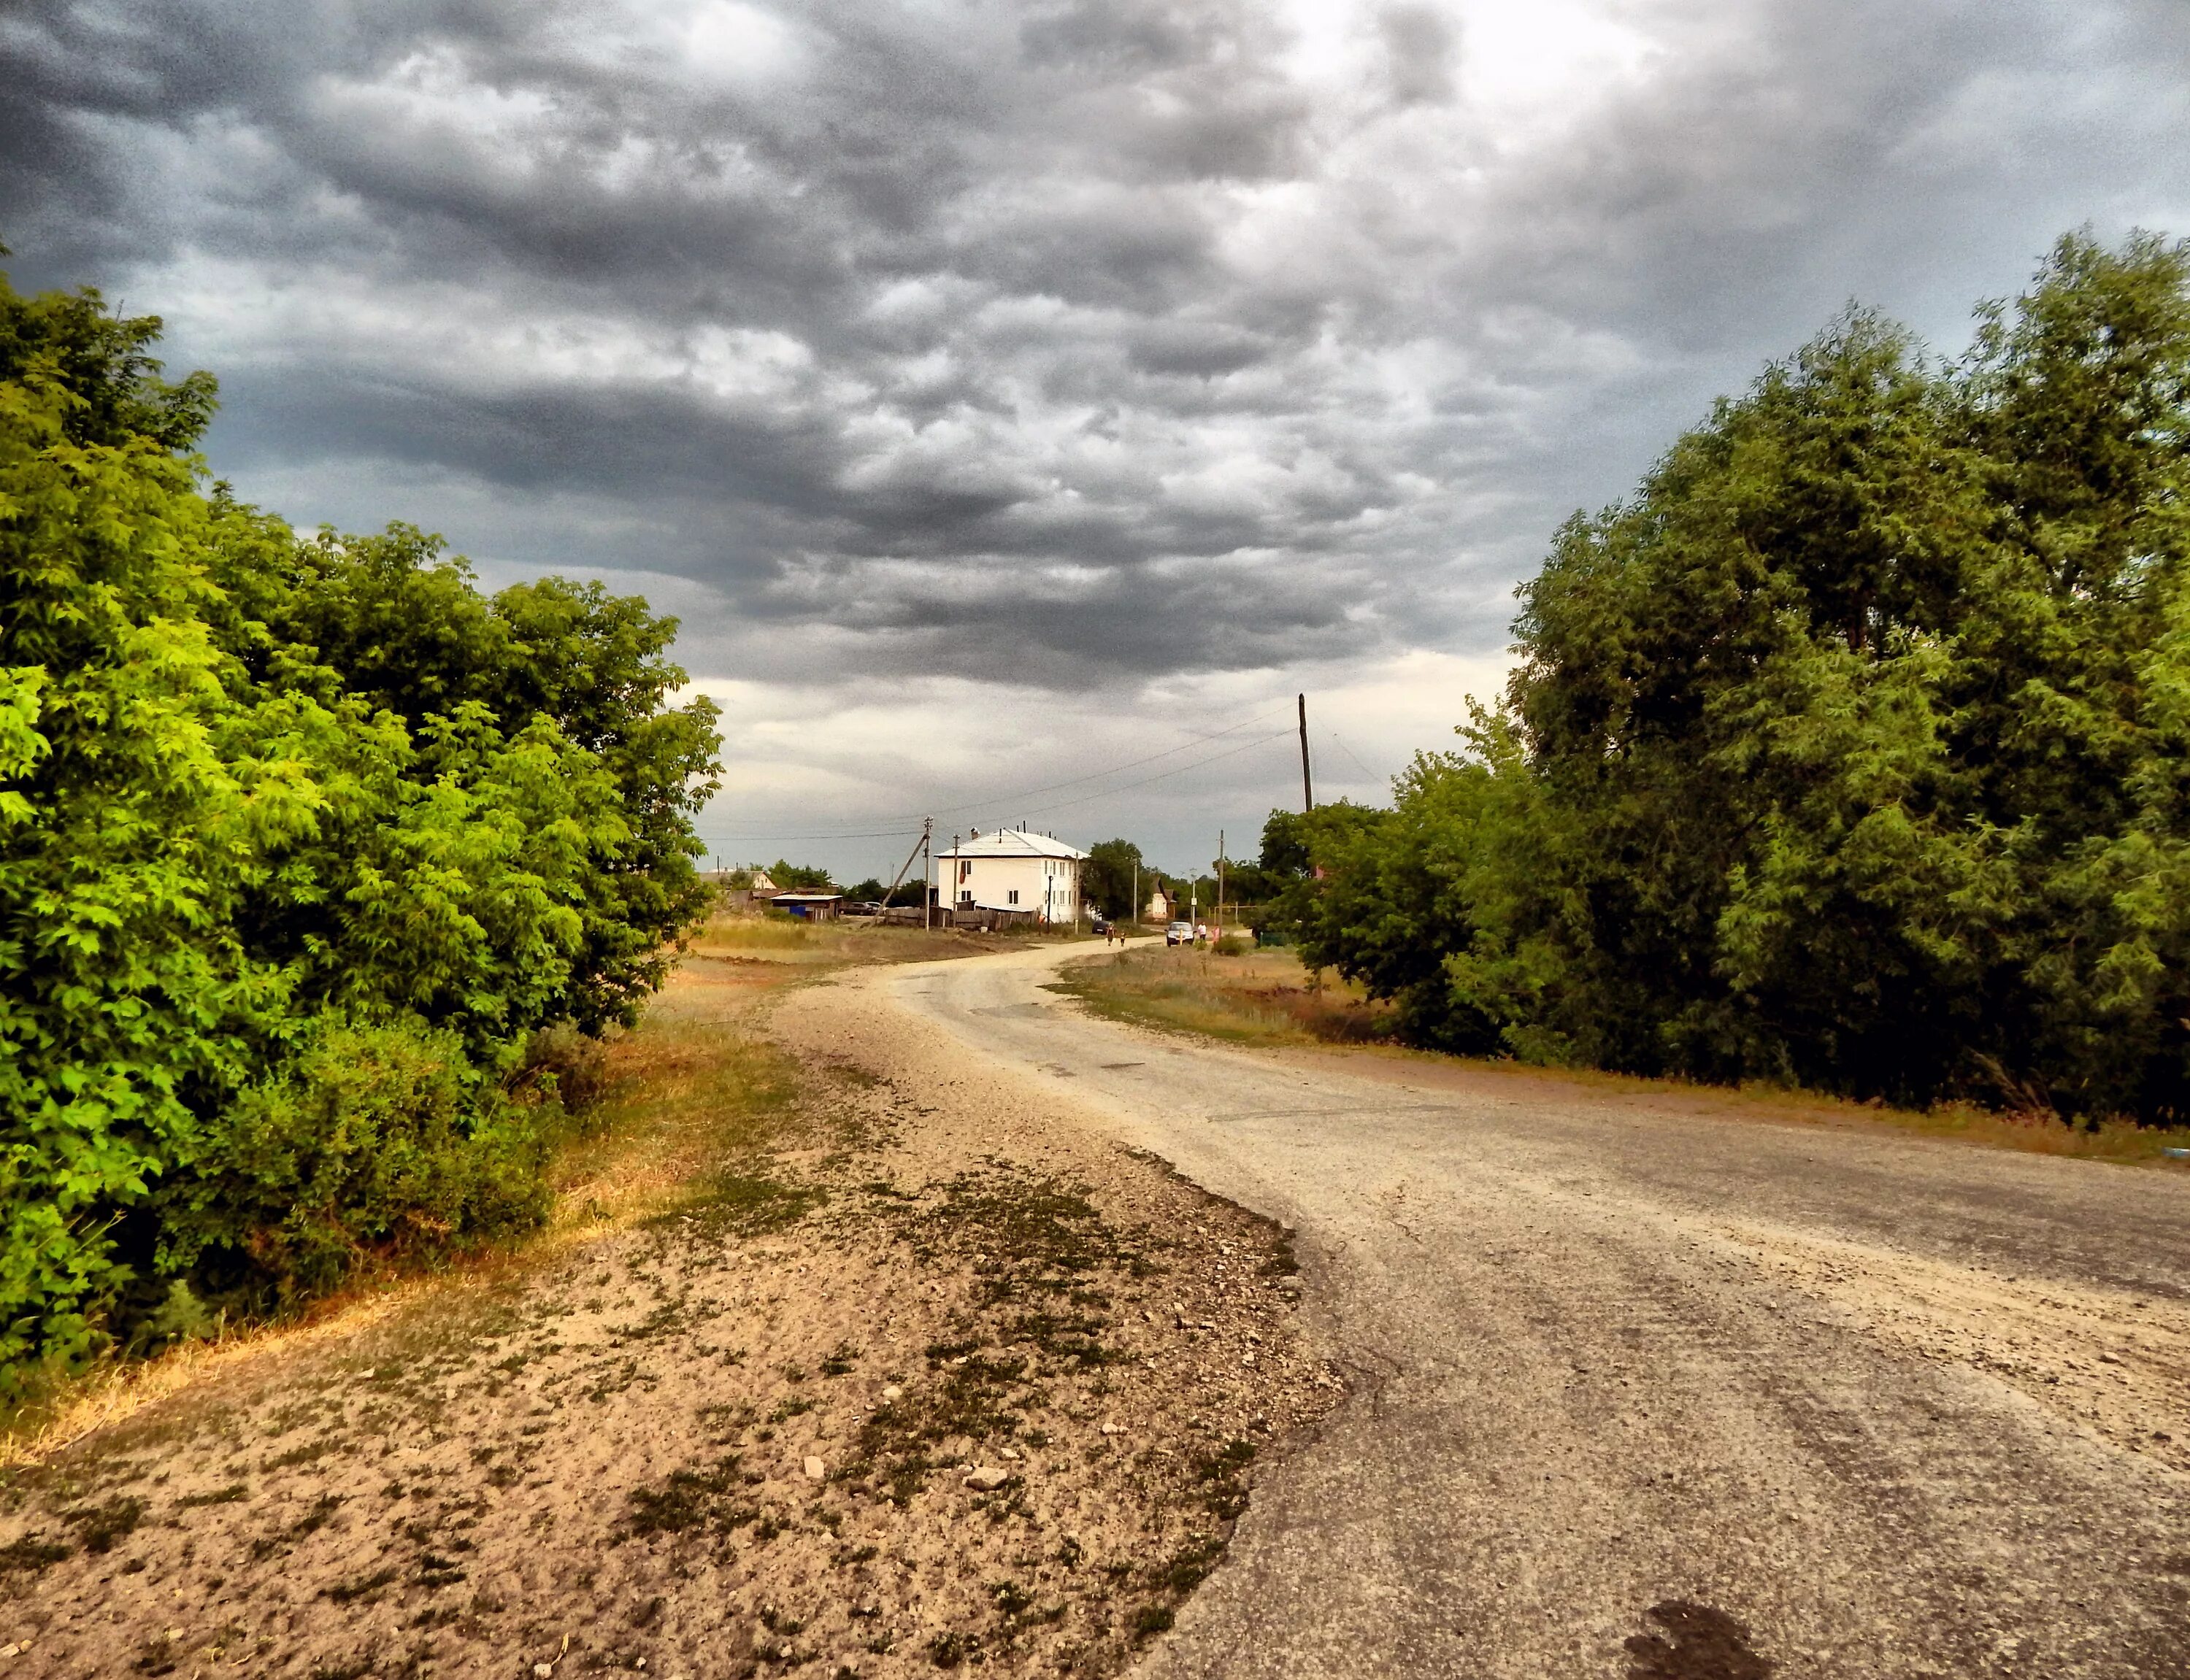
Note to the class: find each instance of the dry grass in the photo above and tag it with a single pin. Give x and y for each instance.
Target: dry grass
(1260, 997)
(1268, 998)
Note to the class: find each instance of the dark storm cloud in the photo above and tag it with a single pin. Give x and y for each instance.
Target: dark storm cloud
(1061, 343)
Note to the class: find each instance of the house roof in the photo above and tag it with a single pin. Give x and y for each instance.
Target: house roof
(1012, 843)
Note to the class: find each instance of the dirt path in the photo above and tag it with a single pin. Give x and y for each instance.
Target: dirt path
(933, 1381)
(1661, 1392)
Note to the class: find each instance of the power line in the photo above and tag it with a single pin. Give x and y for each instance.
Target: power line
(1045, 810)
(743, 840)
(1130, 764)
(1176, 770)
(985, 801)
(1351, 754)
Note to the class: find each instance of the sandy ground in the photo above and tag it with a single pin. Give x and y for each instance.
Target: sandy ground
(946, 1381)
(1654, 1388)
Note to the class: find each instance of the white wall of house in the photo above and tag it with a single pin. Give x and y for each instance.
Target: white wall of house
(1048, 886)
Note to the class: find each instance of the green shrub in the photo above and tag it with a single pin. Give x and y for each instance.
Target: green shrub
(303, 843)
(375, 1143)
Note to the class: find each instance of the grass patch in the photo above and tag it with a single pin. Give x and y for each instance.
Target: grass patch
(1267, 998)
(33, 1553)
(99, 1526)
(1255, 998)
(689, 1500)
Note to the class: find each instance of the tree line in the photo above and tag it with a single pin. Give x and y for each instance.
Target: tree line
(311, 857)
(1852, 750)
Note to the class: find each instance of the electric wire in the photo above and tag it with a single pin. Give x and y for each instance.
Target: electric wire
(1023, 794)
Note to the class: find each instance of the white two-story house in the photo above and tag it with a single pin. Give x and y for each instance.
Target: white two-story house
(1011, 870)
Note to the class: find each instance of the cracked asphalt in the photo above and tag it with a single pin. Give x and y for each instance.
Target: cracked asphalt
(1648, 1388)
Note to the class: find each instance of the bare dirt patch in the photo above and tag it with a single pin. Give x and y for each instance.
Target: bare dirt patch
(834, 1371)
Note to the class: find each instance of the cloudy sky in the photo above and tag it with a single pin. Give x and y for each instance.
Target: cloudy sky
(1020, 401)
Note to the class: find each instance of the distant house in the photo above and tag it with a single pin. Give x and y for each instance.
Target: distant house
(813, 906)
(1158, 908)
(1013, 870)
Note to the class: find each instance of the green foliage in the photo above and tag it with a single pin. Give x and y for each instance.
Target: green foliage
(1107, 878)
(799, 877)
(376, 1140)
(1850, 750)
(302, 844)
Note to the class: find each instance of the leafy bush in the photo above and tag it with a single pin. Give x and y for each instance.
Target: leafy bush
(1854, 749)
(373, 1141)
(301, 842)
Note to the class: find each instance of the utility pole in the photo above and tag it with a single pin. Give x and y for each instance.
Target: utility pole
(1307, 788)
(1137, 892)
(1220, 884)
(928, 855)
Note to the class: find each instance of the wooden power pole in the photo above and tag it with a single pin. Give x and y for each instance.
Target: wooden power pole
(1307, 788)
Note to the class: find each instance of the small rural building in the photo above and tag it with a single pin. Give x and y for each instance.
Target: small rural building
(1159, 909)
(812, 907)
(1011, 870)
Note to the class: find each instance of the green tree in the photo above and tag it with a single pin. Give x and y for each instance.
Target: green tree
(1849, 750)
(1108, 878)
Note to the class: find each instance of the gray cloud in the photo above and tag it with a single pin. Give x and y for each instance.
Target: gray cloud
(1076, 344)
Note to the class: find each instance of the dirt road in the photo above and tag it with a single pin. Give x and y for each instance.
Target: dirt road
(1648, 1391)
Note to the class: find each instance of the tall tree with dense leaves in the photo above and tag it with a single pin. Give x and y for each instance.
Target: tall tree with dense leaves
(1847, 751)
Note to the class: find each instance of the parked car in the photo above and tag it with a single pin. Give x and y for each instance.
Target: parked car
(1179, 933)
(862, 909)
(1101, 925)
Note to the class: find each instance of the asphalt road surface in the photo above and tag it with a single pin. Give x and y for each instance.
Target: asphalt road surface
(1650, 1387)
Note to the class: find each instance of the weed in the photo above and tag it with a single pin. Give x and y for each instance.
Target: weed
(1152, 1620)
(435, 1571)
(99, 1526)
(348, 1592)
(840, 1360)
(30, 1553)
(316, 1516)
(737, 1204)
(303, 1453)
(949, 1650)
(689, 1499)
(1222, 1491)
(1187, 1570)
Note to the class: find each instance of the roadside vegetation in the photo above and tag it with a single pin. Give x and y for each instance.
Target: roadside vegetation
(1249, 997)
(319, 870)
(1269, 999)
(1852, 752)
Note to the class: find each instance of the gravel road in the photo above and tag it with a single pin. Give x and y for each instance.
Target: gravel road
(1652, 1388)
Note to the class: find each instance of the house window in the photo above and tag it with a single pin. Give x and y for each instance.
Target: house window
(965, 869)
(1012, 896)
